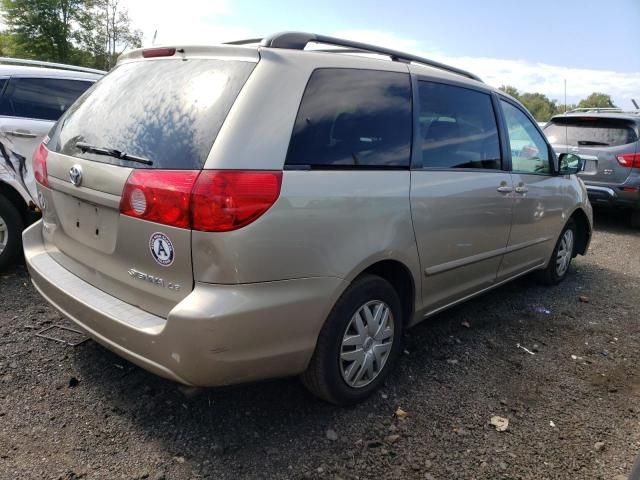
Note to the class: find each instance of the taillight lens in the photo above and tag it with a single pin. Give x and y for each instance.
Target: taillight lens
(39, 163)
(227, 200)
(160, 196)
(210, 201)
(629, 160)
(158, 52)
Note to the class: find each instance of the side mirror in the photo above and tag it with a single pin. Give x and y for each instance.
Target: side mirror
(570, 164)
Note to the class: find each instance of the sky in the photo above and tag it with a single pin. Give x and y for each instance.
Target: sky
(534, 46)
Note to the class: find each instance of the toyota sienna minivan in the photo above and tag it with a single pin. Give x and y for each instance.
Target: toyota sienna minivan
(232, 213)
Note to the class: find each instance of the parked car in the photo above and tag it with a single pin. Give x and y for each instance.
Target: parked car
(225, 214)
(607, 140)
(33, 95)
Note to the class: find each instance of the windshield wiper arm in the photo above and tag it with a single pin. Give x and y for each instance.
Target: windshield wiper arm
(112, 152)
(593, 143)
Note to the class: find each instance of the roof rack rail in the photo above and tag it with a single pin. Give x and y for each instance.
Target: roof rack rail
(603, 110)
(247, 41)
(38, 63)
(299, 40)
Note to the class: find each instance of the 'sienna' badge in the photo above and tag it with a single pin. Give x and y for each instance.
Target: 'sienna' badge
(161, 249)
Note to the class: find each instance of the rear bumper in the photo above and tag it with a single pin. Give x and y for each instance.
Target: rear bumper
(218, 335)
(614, 195)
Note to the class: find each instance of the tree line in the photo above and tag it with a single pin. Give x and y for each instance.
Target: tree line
(543, 108)
(89, 33)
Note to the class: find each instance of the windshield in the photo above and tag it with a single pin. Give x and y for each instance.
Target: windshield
(167, 111)
(586, 132)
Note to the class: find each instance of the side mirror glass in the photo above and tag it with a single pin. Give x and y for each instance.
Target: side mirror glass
(570, 164)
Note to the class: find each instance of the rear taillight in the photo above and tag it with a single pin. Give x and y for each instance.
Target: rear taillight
(228, 200)
(39, 163)
(210, 201)
(160, 196)
(629, 160)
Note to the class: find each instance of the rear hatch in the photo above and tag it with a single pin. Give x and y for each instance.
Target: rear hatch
(598, 141)
(149, 122)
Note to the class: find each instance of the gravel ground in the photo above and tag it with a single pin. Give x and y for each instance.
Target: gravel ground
(573, 409)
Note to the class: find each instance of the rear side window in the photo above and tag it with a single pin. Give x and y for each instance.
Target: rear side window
(353, 118)
(40, 98)
(166, 111)
(457, 128)
(590, 132)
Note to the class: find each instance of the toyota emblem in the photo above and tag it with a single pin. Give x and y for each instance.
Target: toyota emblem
(75, 175)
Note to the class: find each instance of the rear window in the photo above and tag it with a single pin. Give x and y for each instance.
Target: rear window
(590, 132)
(40, 98)
(167, 111)
(353, 119)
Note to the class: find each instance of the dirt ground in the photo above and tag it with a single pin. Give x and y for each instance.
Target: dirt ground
(573, 406)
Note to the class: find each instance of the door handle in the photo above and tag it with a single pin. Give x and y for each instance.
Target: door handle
(521, 189)
(20, 133)
(505, 189)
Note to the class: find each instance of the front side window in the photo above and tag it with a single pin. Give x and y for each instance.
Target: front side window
(457, 127)
(353, 118)
(529, 151)
(40, 98)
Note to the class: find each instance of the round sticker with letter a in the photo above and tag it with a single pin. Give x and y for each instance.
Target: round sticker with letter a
(161, 249)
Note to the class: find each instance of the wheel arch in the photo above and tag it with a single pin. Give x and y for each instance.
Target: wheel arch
(17, 200)
(401, 279)
(583, 231)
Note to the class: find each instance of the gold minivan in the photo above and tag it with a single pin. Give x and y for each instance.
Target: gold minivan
(226, 214)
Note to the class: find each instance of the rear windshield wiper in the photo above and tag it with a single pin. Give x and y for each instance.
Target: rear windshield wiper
(591, 142)
(112, 152)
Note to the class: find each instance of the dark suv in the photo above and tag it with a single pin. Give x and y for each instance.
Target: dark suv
(607, 140)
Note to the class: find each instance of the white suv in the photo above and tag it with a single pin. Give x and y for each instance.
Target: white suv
(33, 95)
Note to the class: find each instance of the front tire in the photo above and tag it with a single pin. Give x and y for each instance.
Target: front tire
(560, 262)
(11, 226)
(358, 344)
(635, 218)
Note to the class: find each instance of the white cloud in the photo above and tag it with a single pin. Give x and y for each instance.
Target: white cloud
(184, 22)
(549, 79)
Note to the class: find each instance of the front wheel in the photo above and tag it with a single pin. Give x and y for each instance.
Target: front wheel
(359, 343)
(11, 225)
(558, 266)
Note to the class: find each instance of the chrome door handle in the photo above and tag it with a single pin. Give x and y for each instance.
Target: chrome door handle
(20, 134)
(505, 189)
(522, 189)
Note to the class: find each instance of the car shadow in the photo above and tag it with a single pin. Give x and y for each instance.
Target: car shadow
(613, 221)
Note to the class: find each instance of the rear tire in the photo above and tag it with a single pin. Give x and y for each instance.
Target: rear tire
(352, 357)
(11, 226)
(635, 218)
(561, 257)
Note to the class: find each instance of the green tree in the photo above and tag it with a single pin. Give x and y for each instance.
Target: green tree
(42, 29)
(597, 100)
(509, 90)
(7, 45)
(107, 31)
(540, 106)
(82, 32)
